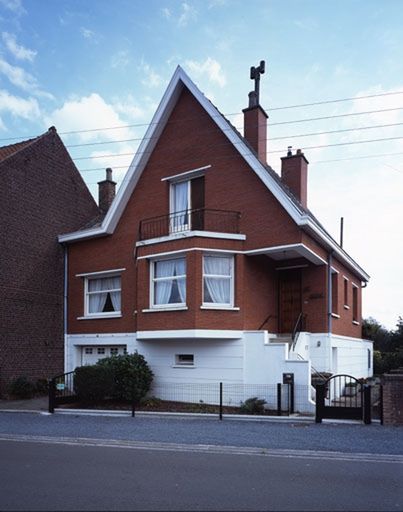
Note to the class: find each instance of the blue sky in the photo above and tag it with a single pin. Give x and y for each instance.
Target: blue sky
(96, 64)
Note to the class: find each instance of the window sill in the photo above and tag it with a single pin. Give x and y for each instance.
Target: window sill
(355, 322)
(183, 366)
(99, 317)
(335, 315)
(221, 308)
(158, 310)
(346, 307)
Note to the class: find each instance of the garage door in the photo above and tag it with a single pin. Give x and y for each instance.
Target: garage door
(90, 355)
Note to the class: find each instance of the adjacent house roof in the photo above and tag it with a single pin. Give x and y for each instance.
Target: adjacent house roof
(270, 178)
(11, 149)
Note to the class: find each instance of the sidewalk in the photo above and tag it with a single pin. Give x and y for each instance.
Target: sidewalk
(32, 404)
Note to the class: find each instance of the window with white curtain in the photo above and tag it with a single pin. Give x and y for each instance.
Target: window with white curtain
(180, 206)
(103, 296)
(168, 283)
(218, 280)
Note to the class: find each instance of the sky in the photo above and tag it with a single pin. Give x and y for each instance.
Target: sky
(96, 64)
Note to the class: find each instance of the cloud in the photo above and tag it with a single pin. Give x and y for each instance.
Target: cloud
(188, 13)
(210, 68)
(120, 59)
(151, 78)
(87, 33)
(19, 51)
(19, 107)
(22, 79)
(14, 5)
(166, 13)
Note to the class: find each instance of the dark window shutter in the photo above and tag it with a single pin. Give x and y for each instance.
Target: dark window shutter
(197, 202)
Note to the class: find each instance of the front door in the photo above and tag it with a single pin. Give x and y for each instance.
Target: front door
(290, 302)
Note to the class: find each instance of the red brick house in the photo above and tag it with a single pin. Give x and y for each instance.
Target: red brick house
(207, 260)
(42, 194)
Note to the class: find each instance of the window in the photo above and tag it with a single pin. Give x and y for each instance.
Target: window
(168, 284)
(103, 296)
(218, 280)
(101, 350)
(355, 303)
(184, 359)
(346, 293)
(186, 205)
(114, 351)
(88, 350)
(369, 358)
(335, 294)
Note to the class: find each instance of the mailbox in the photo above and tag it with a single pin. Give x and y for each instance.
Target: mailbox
(288, 378)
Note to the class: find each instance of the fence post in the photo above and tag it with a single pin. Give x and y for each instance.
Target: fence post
(291, 392)
(381, 403)
(367, 405)
(52, 393)
(220, 400)
(278, 399)
(320, 402)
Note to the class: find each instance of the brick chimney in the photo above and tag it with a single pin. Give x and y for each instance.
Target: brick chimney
(294, 173)
(255, 129)
(106, 191)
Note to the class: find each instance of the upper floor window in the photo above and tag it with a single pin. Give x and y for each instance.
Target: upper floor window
(345, 293)
(186, 205)
(218, 280)
(168, 283)
(103, 296)
(335, 293)
(355, 303)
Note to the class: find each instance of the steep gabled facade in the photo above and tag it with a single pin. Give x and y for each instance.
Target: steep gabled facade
(208, 259)
(42, 194)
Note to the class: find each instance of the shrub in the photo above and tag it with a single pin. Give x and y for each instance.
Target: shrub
(132, 376)
(22, 388)
(252, 405)
(93, 383)
(41, 387)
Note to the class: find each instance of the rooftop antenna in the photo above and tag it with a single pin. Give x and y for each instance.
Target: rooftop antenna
(341, 231)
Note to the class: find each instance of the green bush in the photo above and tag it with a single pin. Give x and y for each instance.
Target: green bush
(93, 383)
(22, 388)
(41, 387)
(252, 405)
(132, 376)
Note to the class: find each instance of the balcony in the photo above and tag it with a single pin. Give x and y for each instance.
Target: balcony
(218, 221)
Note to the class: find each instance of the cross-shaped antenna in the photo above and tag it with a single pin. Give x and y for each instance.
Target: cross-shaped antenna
(255, 73)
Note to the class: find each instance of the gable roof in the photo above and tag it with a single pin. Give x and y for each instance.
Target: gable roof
(301, 216)
(11, 149)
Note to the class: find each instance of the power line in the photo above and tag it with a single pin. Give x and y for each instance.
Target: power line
(338, 100)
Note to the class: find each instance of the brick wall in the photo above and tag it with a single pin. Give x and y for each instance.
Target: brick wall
(39, 184)
(393, 398)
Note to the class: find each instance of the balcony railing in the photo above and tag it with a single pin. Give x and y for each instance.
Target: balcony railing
(219, 221)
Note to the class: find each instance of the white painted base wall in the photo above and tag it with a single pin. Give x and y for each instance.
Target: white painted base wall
(250, 365)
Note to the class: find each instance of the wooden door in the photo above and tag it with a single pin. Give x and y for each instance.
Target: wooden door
(290, 302)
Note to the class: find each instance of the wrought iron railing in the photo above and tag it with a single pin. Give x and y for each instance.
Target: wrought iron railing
(201, 219)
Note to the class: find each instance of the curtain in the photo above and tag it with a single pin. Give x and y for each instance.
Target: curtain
(97, 300)
(180, 206)
(180, 270)
(217, 278)
(163, 289)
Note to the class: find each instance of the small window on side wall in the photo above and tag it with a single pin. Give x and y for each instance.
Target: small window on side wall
(355, 303)
(345, 281)
(335, 293)
(184, 359)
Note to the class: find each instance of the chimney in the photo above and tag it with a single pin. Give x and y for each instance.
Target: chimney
(294, 173)
(106, 191)
(255, 118)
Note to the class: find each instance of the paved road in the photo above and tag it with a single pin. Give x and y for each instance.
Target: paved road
(38, 476)
(309, 436)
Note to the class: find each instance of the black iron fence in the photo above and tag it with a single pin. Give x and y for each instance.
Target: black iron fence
(201, 219)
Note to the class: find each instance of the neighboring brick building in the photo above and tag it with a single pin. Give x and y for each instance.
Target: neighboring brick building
(207, 259)
(42, 194)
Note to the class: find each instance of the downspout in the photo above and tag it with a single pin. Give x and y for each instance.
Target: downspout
(329, 292)
(65, 310)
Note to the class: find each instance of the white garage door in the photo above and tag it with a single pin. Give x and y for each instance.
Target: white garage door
(90, 355)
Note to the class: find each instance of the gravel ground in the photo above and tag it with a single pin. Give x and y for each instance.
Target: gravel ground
(297, 436)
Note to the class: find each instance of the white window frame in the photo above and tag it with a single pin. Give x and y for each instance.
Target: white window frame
(87, 293)
(185, 227)
(153, 280)
(217, 305)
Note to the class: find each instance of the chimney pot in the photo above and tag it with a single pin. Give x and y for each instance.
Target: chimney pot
(289, 151)
(106, 191)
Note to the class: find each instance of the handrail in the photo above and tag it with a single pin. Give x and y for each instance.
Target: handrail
(297, 326)
(265, 321)
(313, 369)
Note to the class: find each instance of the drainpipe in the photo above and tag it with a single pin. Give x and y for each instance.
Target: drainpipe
(65, 286)
(329, 292)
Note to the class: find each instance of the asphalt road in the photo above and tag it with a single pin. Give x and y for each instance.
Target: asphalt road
(42, 476)
(349, 438)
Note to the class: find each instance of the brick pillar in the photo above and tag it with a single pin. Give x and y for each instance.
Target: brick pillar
(393, 398)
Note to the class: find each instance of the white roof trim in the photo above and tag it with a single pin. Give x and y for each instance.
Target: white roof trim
(155, 128)
(187, 174)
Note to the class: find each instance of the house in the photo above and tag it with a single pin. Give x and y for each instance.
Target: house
(42, 194)
(210, 264)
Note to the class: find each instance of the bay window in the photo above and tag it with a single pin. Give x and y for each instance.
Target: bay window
(168, 283)
(218, 280)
